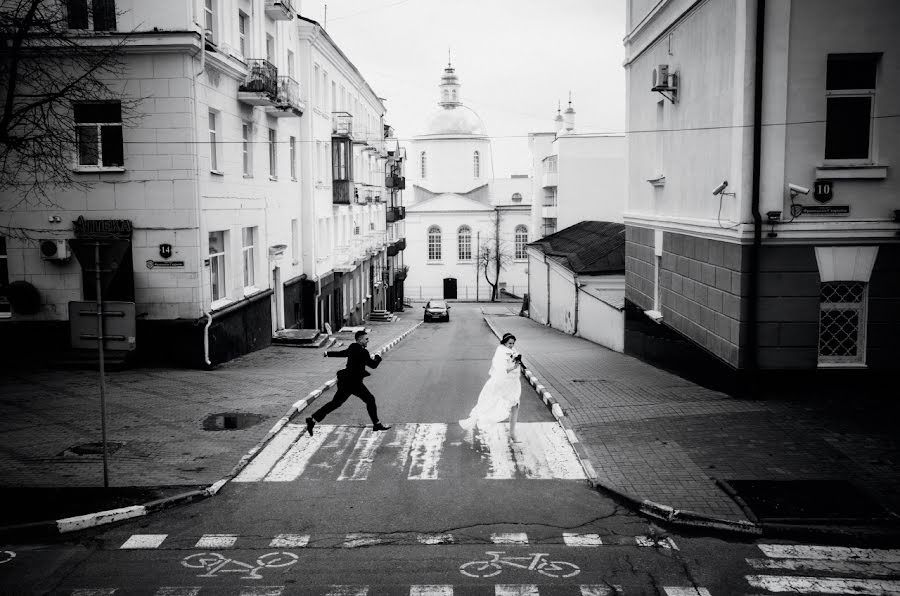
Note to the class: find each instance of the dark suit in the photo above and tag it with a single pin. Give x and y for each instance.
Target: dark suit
(350, 381)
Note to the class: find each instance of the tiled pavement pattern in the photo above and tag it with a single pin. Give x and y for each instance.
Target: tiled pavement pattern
(157, 413)
(657, 436)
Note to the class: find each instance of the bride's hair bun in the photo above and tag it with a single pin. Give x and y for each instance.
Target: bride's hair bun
(507, 337)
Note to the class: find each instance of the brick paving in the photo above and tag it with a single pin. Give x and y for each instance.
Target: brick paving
(156, 413)
(657, 436)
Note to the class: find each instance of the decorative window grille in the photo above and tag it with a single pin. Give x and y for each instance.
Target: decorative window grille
(842, 322)
(434, 243)
(217, 280)
(249, 254)
(521, 236)
(465, 243)
(98, 130)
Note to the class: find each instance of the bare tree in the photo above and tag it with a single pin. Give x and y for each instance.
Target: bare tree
(494, 255)
(50, 62)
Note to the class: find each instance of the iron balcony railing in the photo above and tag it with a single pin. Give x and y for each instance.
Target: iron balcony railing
(342, 124)
(341, 192)
(288, 93)
(262, 78)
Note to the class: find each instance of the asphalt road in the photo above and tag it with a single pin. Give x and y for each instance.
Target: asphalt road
(425, 508)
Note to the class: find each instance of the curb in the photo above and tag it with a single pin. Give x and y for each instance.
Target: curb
(55, 527)
(645, 507)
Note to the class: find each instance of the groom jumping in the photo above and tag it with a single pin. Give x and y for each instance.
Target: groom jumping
(350, 382)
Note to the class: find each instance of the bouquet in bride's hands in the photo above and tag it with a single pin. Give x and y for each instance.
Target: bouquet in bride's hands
(517, 358)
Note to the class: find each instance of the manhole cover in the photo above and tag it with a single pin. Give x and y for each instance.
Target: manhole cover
(230, 421)
(797, 501)
(94, 448)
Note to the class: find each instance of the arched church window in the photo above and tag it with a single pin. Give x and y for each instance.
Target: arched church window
(465, 243)
(476, 165)
(422, 165)
(521, 241)
(516, 197)
(434, 243)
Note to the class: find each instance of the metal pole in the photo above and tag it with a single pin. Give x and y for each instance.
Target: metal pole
(477, 261)
(100, 347)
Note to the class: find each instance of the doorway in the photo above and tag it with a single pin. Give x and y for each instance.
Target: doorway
(449, 288)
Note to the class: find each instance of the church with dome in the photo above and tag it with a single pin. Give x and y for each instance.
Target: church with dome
(457, 205)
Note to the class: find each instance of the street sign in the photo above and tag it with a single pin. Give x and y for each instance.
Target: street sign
(826, 209)
(112, 251)
(823, 190)
(119, 325)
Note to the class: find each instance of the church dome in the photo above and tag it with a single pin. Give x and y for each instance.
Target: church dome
(454, 120)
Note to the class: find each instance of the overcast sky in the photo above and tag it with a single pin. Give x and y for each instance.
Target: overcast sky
(515, 59)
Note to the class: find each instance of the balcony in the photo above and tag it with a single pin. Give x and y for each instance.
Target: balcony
(279, 10)
(395, 214)
(393, 249)
(260, 88)
(287, 99)
(549, 212)
(341, 192)
(395, 182)
(341, 124)
(401, 244)
(343, 260)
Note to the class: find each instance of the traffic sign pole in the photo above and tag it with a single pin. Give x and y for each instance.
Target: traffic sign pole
(102, 363)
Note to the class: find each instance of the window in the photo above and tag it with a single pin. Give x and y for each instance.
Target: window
(465, 243)
(248, 251)
(422, 165)
(292, 144)
(842, 322)
(209, 9)
(247, 148)
(434, 243)
(334, 97)
(273, 154)
(101, 17)
(98, 132)
(242, 33)
(476, 165)
(340, 159)
(270, 48)
(549, 226)
(316, 82)
(217, 283)
(213, 143)
(324, 102)
(521, 238)
(850, 96)
(291, 64)
(295, 241)
(319, 162)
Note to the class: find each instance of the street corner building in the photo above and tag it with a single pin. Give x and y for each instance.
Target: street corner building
(763, 217)
(236, 179)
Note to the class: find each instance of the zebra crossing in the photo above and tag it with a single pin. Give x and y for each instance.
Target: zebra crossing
(416, 451)
(813, 569)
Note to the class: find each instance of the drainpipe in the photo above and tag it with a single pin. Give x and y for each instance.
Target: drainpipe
(575, 280)
(197, 199)
(547, 261)
(206, 338)
(752, 362)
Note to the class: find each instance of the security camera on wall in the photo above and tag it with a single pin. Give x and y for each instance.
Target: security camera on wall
(798, 190)
(721, 188)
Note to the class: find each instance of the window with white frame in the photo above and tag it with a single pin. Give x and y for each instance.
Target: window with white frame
(248, 252)
(476, 165)
(320, 161)
(842, 322)
(521, 239)
(214, 141)
(850, 97)
(464, 243)
(295, 241)
(324, 89)
(100, 17)
(247, 149)
(334, 96)
(243, 32)
(218, 284)
(270, 49)
(209, 11)
(273, 153)
(98, 133)
(434, 243)
(317, 82)
(423, 166)
(291, 65)
(292, 145)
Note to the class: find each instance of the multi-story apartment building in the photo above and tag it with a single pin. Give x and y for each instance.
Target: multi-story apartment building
(762, 216)
(217, 190)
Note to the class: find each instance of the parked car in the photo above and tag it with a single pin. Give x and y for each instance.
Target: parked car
(437, 310)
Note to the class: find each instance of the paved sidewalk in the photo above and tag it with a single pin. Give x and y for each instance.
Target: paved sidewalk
(654, 436)
(157, 414)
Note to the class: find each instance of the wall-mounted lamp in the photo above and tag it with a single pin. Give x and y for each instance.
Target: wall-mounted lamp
(773, 218)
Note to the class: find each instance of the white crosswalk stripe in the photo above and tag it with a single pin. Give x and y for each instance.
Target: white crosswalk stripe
(865, 568)
(415, 451)
(431, 590)
(144, 541)
(175, 591)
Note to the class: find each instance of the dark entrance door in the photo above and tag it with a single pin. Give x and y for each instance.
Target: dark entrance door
(449, 288)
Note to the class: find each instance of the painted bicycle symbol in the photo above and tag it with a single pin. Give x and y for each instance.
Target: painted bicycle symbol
(533, 562)
(6, 556)
(217, 564)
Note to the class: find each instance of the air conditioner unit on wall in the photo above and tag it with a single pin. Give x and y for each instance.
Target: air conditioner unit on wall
(55, 250)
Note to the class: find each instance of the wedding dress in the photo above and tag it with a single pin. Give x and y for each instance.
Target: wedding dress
(500, 393)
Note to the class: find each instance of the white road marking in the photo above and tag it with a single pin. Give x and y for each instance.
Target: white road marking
(290, 541)
(435, 539)
(216, 541)
(516, 590)
(834, 553)
(510, 538)
(657, 542)
(599, 590)
(294, 462)
(401, 442)
(426, 450)
(545, 452)
(582, 539)
(824, 585)
(359, 464)
(434, 590)
(177, 591)
(263, 591)
(144, 541)
(260, 465)
(495, 437)
(670, 591)
(864, 568)
(348, 591)
(357, 540)
(94, 592)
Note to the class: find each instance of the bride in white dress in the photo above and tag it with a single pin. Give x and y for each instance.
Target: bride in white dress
(499, 398)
